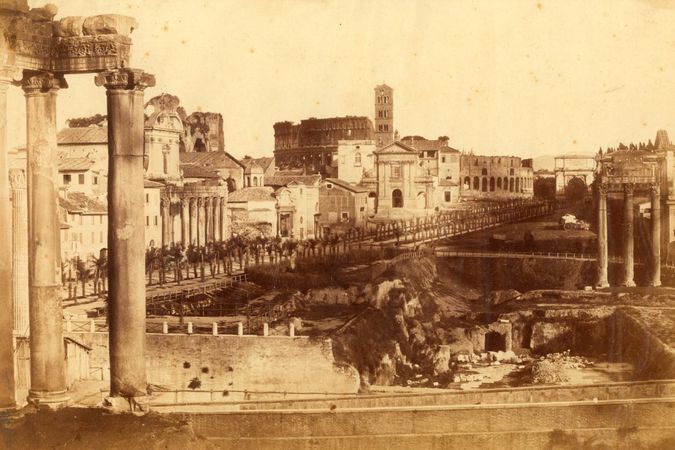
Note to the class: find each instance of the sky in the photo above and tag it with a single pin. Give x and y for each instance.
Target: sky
(509, 77)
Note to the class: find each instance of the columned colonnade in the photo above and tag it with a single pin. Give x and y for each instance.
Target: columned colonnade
(628, 236)
(203, 220)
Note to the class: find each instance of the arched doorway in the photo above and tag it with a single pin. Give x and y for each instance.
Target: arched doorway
(499, 182)
(575, 190)
(397, 199)
(421, 200)
(517, 184)
(505, 185)
(476, 183)
(492, 184)
(495, 342)
(484, 189)
(511, 184)
(467, 183)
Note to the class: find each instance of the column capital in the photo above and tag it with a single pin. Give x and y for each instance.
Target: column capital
(628, 188)
(655, 189)
(125, 79)
(9, 75)
(41, 82)
(603, 188)
(17, 179)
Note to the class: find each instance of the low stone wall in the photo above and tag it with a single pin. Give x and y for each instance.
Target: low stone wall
(227, 362)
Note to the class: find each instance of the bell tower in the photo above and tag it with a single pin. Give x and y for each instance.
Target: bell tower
(384, 115)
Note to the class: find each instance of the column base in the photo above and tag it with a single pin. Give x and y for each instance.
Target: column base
(655, 283)
(128, 404)
(602, 285)
(628, 283)
(48, 400)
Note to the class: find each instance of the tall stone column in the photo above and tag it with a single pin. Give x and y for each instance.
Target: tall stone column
(47, 368)
(656, 236)
(194, 217)
(126, 230)
(224, 228)
(164, 208)
(628, 233)
(185, 222)
(201, 222)
(603, 258)
(208, 218)
(7, 400)
(216, 219)
(20, 303)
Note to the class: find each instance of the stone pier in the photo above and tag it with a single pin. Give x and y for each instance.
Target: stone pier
(48, 376)
(20, 303)
(656, 236)
(603, 280)
(628, 236)
(126, 230)
(194, 217)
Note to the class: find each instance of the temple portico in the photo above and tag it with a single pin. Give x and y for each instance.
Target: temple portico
(38, 52)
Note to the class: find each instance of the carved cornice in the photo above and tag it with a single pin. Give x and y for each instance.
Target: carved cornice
(17, 179)
(36, 82)
(125, 79)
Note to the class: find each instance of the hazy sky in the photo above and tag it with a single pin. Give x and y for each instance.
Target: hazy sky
(506, 76)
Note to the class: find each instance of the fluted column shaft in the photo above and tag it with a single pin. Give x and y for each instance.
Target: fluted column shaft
(19, 253)
(185, 222)
(7, 75)
(628, 236)
(194, 217)
(656, 236)
(166, 222)
(126, 230)
(208, 218)
(224, 228)
(48, 374)
(603, 258)
(201, 222)
(216, 219)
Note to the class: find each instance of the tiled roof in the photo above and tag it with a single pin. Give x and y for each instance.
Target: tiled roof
(75, 164)
(152, 184)
(251, 194)
(79, 202)
(282, 179)
(264, 162)
(346, 185)
(215, 160)
(422, 144)
(197, 171)
(93, 134)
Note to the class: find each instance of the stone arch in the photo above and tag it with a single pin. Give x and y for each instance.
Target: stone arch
(492, 184)
(485, 185)
(476, 183)
(499, 182)
(484, 172)
(467, 182)
(511, 184)
(505, 185)
(517, 184)
(396, 198)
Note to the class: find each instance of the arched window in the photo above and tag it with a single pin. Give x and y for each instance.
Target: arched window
(492, 184)
(499, 182)
(397, 199)
(357, 159)
(255, 181)
(517, 184)
(484, 184)
(506, 184)
(483, 172)
(476, 183)
(467, 183)
(248, 181)
(511, 184)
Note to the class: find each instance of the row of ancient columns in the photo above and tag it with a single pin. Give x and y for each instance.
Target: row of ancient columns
(126, 239)
(203, 221)
(628, 237)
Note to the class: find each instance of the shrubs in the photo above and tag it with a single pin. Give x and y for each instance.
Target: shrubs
(549, 371)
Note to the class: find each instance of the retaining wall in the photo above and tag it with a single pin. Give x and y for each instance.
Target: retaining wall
(275, 363)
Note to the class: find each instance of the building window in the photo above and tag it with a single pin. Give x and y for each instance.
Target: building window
(396, 171)
(80, 220)
(165, 163)
(345, 215)
(155, 220)
(66, 179)
(362, 209)
(80, 178)
(147, 198)
(329, 186)
(443, 159)
(448, 196)
(357, 159)
(147, 221)
(94, 180)
(397, 198)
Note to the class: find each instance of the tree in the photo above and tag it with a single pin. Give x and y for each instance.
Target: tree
(83, 274)
(544, 188)
(100, 270)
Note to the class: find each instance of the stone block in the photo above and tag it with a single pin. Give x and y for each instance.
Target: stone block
(108, 24)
